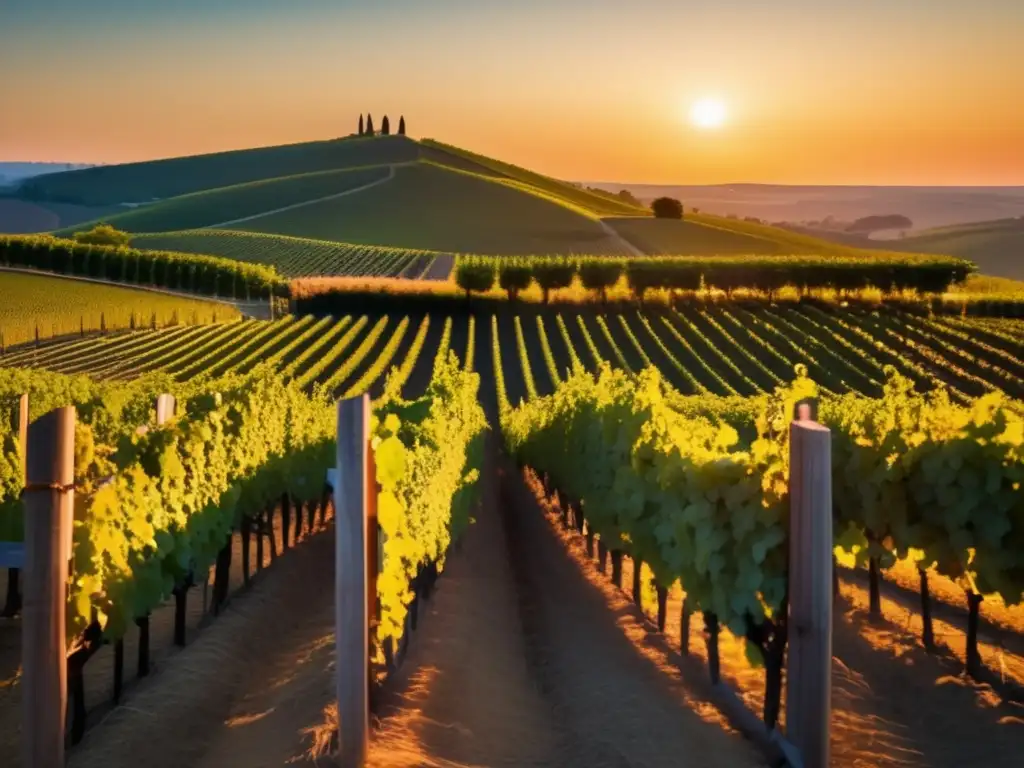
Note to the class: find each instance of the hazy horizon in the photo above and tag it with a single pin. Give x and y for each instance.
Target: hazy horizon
(881, 93)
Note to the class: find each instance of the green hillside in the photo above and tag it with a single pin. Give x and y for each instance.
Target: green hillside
(62, 306)
(225, 204)
(161, 179)
(441, 198)
(436, 208)
(997, 247)
(596, 203)
(293, 256)
(704, 234)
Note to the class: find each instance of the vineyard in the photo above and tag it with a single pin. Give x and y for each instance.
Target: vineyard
(571, 387)
(663, 491)
(722, 350)
(301, 257)
(29, 308)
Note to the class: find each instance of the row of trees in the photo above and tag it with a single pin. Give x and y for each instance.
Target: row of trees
(767, 274)
(191, 273)
(366, 129)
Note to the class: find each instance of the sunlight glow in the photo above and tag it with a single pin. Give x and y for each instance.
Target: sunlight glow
(708, 113)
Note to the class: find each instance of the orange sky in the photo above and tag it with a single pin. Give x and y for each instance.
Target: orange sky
(817, 92)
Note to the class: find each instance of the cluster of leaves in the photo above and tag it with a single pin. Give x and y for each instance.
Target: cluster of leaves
(697, 487)
(205, 275)
(156, 505)
(918, 476)
(106, 415)
(674, 487)
(769, 274)
(180, 490)
(428, 454)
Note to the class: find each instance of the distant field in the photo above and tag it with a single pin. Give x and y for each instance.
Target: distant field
(161, 179)
(294, 256)
(997, 247)
(670, 236)
(704, 234)
(61, 306)
(598, 204)
(434, 208)
(216, 206)
(20, 217)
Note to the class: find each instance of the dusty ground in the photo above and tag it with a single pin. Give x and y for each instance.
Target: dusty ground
(99, 671)
(893, 704)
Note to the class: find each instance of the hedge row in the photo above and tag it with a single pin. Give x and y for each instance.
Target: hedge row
(926, 274)
(187, 272)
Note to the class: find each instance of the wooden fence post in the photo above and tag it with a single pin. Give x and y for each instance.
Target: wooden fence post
(165, 407)
(352, 606)
(809, 676)
(49, 503)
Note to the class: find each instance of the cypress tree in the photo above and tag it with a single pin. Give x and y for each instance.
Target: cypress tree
(401, 125)
(385, 126)
(360, 124)
(369, 124)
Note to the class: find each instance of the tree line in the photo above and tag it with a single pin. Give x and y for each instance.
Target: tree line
(366, 128)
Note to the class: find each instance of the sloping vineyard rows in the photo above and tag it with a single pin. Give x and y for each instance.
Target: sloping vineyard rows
(345, 356)
(298, 257)
(733, 350)
(723, 350)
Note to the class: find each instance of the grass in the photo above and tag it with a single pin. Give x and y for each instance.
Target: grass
(593, 202)
(161, 179)
(427, 206)
(224, 204)
(997, 247)
(671, 236)
(59, 306)
(25, 217)
(701, 234)
(293, 256)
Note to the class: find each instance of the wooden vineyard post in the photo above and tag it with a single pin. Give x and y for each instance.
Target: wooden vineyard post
(352, 503)
(809, 679)
(48, 502)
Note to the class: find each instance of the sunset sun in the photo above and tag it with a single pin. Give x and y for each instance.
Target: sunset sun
(708, 113)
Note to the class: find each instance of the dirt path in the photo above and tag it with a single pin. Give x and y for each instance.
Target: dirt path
(363, 188)
(614, 233)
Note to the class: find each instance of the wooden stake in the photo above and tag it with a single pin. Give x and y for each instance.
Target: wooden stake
(48, 502)
(809, 678)
(352, 630)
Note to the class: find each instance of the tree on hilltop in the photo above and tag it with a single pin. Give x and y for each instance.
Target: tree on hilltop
(667, 208)
(360, 124)
(401, 125)
(369, 124)
(385, 127)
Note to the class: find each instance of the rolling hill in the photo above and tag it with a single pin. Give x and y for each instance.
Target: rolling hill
(226, 204)
(161, 179)
(997, 247)
(433, 207)
(399, 196)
